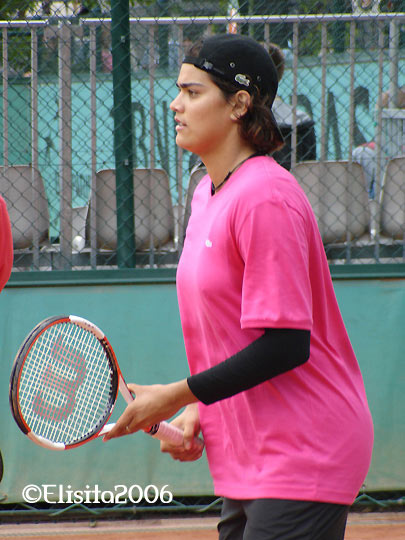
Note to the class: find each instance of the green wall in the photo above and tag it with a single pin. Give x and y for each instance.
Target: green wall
(374, 313)
(137, 310)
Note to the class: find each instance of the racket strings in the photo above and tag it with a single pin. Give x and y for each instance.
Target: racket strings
(54, 399)
(31, 379)
(66, 384)
(91, 401)
(71, 357)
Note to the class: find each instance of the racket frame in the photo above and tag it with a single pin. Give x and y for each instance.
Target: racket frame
(17, 369)
(162, 431)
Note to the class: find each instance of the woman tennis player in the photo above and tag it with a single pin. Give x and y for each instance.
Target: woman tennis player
(275, 386)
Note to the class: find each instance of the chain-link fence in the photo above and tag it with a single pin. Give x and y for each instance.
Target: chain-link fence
(88, 162)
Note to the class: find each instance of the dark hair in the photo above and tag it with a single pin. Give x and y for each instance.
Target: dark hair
(278, 58)
(256, 126)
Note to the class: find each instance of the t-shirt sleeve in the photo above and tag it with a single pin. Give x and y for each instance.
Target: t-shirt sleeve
(276, 289)
(274, 353)
(6, 245)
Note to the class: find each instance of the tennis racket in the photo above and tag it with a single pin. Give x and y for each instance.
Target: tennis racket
(64, 384)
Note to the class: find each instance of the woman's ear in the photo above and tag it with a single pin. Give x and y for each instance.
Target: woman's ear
(241, 104)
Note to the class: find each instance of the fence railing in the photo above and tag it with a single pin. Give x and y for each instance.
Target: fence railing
(341, 112)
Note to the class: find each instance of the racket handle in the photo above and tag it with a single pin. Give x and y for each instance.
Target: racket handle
(168, 433)
(163, 431)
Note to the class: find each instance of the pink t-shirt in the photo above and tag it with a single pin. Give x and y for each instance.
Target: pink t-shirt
(253, 258)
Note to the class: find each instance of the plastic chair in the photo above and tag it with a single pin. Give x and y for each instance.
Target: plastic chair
(195, 177)
(392, 202)
(153, 220)
(337, 192)
(23, 190)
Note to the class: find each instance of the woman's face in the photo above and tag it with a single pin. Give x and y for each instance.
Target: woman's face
(203, 116)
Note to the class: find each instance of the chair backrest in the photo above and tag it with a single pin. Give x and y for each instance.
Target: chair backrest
(392, 205)
(153, 220)
(79, 219)
(23, 190)
(337, 192)
(195, 178)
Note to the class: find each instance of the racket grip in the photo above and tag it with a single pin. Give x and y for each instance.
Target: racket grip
(168, 433)
(163, 431)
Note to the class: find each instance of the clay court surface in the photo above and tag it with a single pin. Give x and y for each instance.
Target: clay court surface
(361, 526)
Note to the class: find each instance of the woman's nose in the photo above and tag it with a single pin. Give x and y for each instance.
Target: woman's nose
(175, 105)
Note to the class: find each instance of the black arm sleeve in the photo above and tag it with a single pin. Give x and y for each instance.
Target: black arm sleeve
(275, 352)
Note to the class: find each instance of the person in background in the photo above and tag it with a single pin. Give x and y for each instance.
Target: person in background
(275, 387)
(6, 245)
(365, 154)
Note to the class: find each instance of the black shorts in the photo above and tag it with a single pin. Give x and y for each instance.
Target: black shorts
(279, 519)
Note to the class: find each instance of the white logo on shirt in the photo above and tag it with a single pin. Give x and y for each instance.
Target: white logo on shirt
(208, 243)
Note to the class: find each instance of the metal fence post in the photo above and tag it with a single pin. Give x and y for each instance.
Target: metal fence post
(65, 143)
(122, 113)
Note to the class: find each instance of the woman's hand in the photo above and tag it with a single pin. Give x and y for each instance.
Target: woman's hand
(151, 405)
(189, 422)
